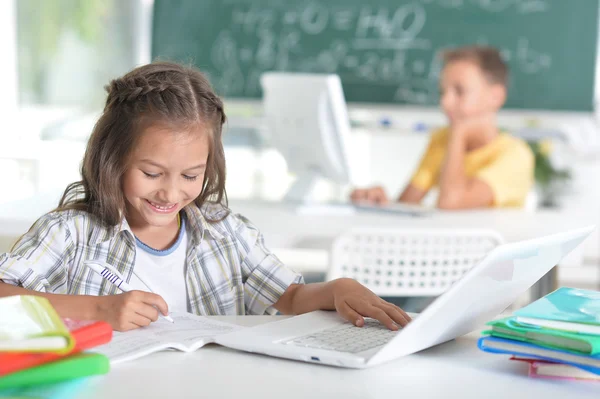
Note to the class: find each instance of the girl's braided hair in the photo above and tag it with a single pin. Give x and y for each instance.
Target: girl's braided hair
(161, 92)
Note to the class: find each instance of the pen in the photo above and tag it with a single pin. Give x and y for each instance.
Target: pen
(112, 275)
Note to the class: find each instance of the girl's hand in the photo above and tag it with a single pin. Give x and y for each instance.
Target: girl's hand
(130, 310)
(354, 301)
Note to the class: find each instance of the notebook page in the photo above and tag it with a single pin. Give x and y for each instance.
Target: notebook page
(188, 333)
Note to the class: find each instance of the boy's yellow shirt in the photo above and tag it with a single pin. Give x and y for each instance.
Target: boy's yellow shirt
(506, 165)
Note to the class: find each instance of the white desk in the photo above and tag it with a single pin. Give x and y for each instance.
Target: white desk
(284, 228)
(302, 241)
(309, 237)
(456, 369)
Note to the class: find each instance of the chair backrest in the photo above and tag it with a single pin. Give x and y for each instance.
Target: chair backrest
(409, 262)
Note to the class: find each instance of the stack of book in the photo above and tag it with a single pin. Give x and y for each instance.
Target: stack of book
(42, 353)
(558, 335)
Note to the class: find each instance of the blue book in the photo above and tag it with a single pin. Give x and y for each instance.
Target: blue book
(520, 349)
(568, 309)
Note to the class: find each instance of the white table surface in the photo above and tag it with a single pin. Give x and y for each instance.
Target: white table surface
(303, 241)
(284, 227)
(456, 369)
(310, 236)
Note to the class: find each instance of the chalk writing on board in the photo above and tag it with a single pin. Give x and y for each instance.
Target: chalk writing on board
(376, 45)
(521, 6)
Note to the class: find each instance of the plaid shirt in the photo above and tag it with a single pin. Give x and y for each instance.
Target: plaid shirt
(228, 269)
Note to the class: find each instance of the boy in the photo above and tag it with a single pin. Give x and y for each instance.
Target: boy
(473, 163)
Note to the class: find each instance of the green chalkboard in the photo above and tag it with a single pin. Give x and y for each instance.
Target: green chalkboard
(385, 51)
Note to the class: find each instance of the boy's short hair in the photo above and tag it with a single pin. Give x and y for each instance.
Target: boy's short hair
(488, 59)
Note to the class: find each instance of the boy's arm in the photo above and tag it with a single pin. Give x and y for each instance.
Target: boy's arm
(457, 191)
(412, 194)
(425, 176)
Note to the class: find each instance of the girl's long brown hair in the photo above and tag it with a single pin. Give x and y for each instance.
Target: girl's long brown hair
(160, 92)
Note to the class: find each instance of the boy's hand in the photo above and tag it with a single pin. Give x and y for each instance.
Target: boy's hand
(130, 310)
(468, 128)
(373, 195)
(353, 301)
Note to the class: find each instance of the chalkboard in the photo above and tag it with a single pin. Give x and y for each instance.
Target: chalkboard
(385, 51)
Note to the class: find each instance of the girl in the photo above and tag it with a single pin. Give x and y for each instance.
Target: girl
(152, 203)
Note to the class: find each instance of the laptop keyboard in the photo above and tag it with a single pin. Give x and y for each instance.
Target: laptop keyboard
(346, 337)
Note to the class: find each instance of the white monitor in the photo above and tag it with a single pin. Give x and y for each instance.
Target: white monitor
(308, 123)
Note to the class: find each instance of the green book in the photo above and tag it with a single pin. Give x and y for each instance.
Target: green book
(574, 342)
(76, 366)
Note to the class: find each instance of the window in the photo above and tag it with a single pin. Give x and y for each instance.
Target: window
(69, 49)
(59, 54)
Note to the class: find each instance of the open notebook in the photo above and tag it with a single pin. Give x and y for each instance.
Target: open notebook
(188, 333)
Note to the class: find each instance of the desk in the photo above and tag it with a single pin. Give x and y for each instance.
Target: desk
(284, 228)
(456, 369)
(309, 236)
(301, 240)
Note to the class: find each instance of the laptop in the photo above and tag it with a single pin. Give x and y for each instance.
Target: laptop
(323, 337)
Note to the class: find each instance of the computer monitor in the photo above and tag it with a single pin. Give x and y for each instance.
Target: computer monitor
(308, 123)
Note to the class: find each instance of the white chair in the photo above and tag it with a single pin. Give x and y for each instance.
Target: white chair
(409, 262)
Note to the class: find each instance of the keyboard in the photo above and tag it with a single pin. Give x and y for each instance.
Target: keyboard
(346, 337)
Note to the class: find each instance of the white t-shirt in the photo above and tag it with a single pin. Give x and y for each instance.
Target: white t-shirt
(162, 271)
